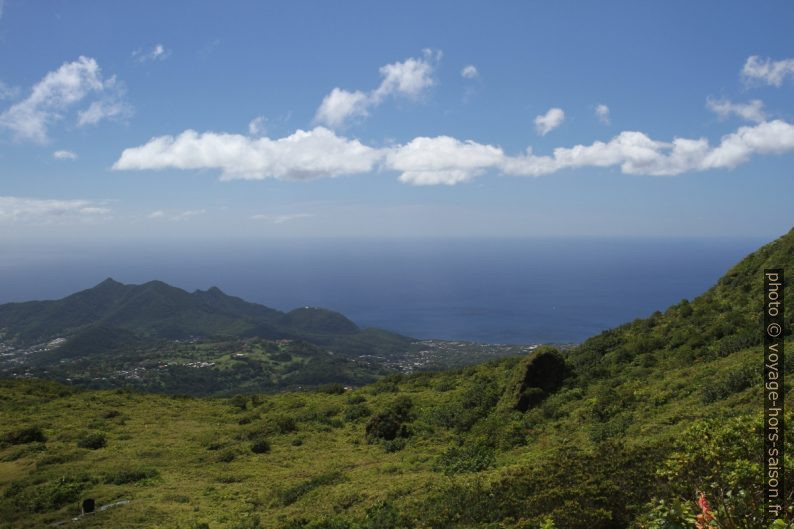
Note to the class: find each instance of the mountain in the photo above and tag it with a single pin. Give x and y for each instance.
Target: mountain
(155, 337)
(155, 310)
(623, 431)
(158, 310)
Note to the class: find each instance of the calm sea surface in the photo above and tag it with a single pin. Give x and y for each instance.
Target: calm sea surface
(498, 291)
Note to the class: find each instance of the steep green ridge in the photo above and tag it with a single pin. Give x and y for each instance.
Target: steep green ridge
(622, 431)
(155, 310)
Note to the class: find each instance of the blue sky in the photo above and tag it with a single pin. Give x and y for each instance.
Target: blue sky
(165, 120)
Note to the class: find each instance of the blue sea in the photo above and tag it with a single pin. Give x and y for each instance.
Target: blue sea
(485, 290)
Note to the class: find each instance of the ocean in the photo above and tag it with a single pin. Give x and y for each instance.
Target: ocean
(487, 290)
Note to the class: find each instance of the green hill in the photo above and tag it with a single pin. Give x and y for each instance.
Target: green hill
(622, 431)
(155, 310)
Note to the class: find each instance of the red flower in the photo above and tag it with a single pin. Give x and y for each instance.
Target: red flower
(702, 520)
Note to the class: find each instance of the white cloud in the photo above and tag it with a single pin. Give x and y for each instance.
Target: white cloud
(602, 113)
(444, 160)
(769, 71)
(157, 53)
(51, 97)
(46, 210)
(410, 78)
(441, 160)
(549, 121)
(302, 155)
(111, 107)
(341, 105)
(280, 219)
(257, 126)
(64, 155)
(469, 72)
(156, 214)
(752, 111)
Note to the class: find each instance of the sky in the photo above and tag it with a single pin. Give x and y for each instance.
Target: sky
(182, 121)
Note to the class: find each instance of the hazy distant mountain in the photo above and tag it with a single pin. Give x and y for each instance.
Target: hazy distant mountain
(155, 310)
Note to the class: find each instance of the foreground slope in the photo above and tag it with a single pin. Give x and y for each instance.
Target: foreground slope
(619, 432)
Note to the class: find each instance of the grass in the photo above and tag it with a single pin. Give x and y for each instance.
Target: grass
(162, 452)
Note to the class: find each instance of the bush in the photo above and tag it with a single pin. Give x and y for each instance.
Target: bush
(48, 496)
(733, 381)
(357, 411)
(544, 372)
(23, 436)
(332, 389)
(227, 456)
(260, 446)
(92, 441)
(356, 399)
(460, 459)
(282, 424)
(390, 424)
(130, 475)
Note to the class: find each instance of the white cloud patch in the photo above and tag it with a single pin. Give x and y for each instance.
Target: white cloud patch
(64, 155)
(280, 219)
(469, 72)
(55, 94)
(157, 53)
(21, 209)
(549, 121)
(410, 78)
(303, 155)
(257, 126)
(156, 214)
(441, 160)
(444, 160)
(751, 111)
(768, 71)
(113, 107)
(602, 113)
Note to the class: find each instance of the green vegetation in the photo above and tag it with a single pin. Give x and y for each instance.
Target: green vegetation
(622, 431)
(112, 316)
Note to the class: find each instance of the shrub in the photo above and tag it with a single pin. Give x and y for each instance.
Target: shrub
(383, 515)
(394, 445)
(356, 399)
(130, 475)
(544, 372)
(460, 459)
(332, 389)
(357, 411)
(23, 436)
(92, 441)
(227, 456)
(282, 423)
(260, 446)
(389, 424)
(733, 381)
(48, 496)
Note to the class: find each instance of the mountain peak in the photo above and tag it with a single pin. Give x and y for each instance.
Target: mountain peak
(109, 282)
